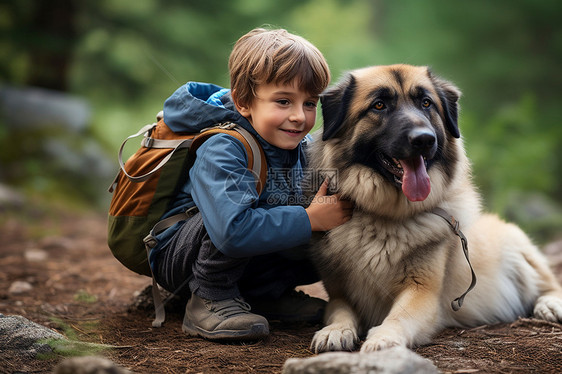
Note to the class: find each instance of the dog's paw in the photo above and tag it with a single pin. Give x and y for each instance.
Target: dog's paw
(375, 344)
(380, 338)
(549, 308)
(334, 338)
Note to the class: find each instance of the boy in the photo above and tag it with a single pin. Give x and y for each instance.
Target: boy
(240, 245)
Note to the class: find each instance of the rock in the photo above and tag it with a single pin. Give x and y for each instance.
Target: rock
(35, 255)
(21, 337)
(32, 107)
(27, 340)
(18, 287)
(10, 197)
(48, 143)
(82, 156)
(56, 242)
(390, 361)
(89, 365)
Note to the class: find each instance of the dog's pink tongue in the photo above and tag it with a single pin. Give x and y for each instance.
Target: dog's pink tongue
(415, 182)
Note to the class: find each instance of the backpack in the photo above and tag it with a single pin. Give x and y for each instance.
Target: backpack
(148, 182)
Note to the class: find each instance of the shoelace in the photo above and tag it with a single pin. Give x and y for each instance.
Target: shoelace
(229, 308)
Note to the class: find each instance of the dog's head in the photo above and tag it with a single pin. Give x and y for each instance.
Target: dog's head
(399, 120)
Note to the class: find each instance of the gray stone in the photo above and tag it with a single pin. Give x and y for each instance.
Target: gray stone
(19, 287)
(48, 137)
(88, 365)
(83, 157)
(19, 336)
(27, 340)
(35, 255)
(10, 197)
(33, 107)
(389, 361)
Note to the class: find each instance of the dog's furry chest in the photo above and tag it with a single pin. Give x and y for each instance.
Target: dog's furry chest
(381, 244)
(374, 247)
(376, 256)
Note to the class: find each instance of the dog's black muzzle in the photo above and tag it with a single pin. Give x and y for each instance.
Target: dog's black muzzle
(414, 137)
(422, 141)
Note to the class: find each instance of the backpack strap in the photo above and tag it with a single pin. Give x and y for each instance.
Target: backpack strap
(149, 142)
(257, 162)
(144, 130)
(149, 243)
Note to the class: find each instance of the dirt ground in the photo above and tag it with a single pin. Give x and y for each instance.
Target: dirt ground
(80, 290)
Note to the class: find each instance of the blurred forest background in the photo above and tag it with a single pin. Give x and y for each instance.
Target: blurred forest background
(78, 76)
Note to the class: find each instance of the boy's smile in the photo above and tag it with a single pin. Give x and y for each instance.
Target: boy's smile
(281, 114)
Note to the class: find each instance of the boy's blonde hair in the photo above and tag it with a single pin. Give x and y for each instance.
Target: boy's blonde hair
(275, 56)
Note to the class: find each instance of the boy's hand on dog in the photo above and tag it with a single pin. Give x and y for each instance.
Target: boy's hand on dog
(328, 211)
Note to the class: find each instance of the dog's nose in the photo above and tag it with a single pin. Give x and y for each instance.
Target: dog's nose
(423, 141)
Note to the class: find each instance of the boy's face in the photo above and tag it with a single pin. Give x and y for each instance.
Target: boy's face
(281, 114)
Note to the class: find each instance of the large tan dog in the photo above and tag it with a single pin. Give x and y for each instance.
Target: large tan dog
(394, 269)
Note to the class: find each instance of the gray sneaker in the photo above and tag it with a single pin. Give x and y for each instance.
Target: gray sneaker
(223, 320)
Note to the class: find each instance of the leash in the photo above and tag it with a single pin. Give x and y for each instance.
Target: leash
(457, 303)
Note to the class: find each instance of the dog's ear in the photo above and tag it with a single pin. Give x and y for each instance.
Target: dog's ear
(335, 102)
(449, 96)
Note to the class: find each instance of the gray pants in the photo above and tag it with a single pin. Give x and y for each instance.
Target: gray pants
(191, 263)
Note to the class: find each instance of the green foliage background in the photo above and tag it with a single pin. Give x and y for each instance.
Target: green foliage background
(127, 56)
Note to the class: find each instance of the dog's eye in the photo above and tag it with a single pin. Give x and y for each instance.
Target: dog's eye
(379, 105)
(426, 103)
